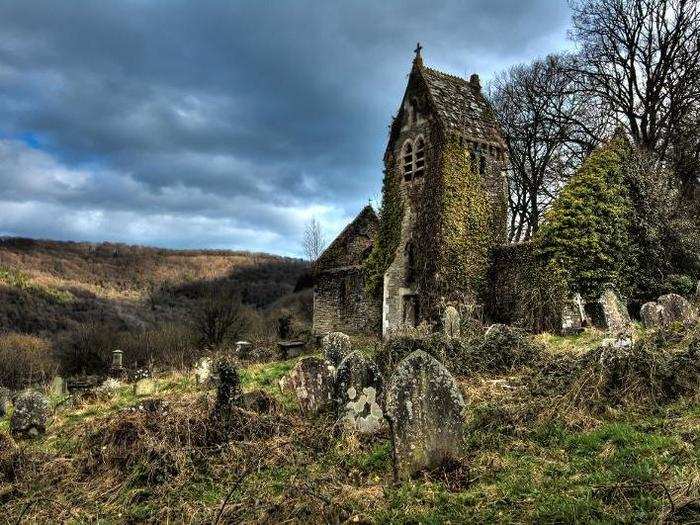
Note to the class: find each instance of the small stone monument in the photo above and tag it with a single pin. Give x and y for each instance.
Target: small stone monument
(358, 393)
(451, 322)
(117, 368)
(335, 346)
(426, 411)
(30, 415)
(312, 381)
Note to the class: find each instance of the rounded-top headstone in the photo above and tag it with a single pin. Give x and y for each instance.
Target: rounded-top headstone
(31, 414)
(615, 315)
(652, 314)
(359, 393)
(335, 346)
(426, 411)
(311, 381)
(677, 309)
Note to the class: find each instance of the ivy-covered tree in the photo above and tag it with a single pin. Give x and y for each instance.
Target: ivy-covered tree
(586, 231)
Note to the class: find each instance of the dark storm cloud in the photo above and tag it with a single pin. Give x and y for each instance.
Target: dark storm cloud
(227, 123)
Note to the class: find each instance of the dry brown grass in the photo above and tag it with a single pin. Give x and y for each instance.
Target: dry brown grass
(25, 360)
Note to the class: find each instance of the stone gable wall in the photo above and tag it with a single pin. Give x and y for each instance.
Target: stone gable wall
(340, 303)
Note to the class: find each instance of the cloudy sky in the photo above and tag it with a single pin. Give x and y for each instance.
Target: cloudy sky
(223, 124)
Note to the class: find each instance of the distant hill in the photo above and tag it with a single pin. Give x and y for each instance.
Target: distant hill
(50, 286)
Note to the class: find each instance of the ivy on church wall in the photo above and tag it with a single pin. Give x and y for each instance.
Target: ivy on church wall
(389, 235)
(455, 224)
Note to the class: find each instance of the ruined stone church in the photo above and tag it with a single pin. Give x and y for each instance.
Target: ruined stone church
(443, 212)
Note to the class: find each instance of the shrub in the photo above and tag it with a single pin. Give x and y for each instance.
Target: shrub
(168, 345)
(585, 232)
(25, 360)
(88, 350)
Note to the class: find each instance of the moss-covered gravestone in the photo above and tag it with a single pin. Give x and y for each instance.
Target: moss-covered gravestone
(611, 313)
(31, 414)
(676, 309)
(426, 412)
(311, 381)
(652, 314)
(335, 346)
(358, 393)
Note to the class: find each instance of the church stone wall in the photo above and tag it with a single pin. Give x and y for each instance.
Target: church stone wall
(340, 303)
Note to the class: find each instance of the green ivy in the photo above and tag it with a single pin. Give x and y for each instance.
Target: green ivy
(389, 236)
(585, 232)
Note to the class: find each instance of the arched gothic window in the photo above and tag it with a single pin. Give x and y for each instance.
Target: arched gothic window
(482, 165)
(407, 161)
(410, 263)
(419, 158)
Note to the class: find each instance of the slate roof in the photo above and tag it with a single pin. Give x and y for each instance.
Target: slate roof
(461, 106)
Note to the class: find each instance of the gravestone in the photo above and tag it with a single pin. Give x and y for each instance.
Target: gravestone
(451, 322)
(611, 313)
(652, 314)
(573, 316)
(228, 384)
(5, 401)
(426, 409)
(30, 415)
(676, 309)
(311, 381)
(202, 370)
(358, 393)
(58, 387)
(144, 387)
(243, 349)
(335, 346)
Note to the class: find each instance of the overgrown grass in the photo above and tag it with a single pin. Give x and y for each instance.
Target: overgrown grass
(100, 462)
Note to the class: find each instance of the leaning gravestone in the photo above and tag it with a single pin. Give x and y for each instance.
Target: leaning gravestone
(335, 347)
(676, 309)
(451, 322)
(30, 415)
(613, 314)
(358, 393)
(652, 314)
(426, 409)
(312, 381)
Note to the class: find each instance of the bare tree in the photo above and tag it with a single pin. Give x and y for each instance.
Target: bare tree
(219, 316)
(641, 60)
(549, 128)
(314, 241)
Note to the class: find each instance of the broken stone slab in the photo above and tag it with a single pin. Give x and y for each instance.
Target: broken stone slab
(610, 313)
(290, 349)
(30, 415)
(312, 381)
(677, 309)
(573, 316)
(335, 346)
(426, 411)
(358, 393)
(451, 322)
